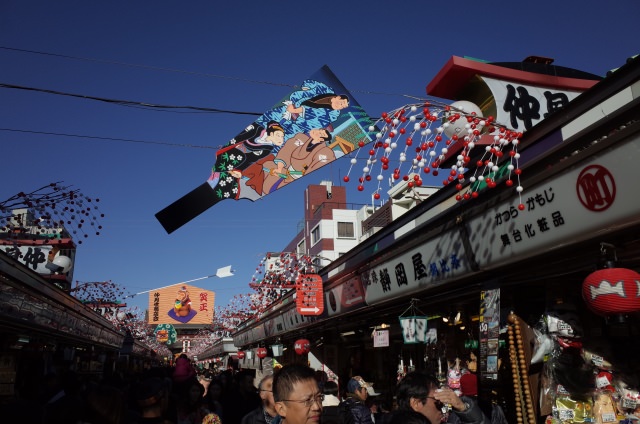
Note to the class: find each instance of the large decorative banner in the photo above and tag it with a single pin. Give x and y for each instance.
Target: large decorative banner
(315, 124)
(181, 304)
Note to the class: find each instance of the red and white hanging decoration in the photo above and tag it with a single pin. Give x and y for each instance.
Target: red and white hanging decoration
(421, 135)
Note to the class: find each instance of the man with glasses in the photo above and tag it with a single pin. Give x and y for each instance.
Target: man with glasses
(267, 412)
(420, 392)
(298, 399)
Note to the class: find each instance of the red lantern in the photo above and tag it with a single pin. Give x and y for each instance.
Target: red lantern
(612, 291)
(302, 346)
(240, 354)
(261, 352)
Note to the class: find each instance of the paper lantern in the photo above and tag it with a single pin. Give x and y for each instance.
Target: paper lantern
(240, 354)
(277, 349)
(302, 346)
(612, 291)
(261, 352)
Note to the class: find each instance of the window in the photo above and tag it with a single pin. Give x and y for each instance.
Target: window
(315, 235)
(345, 230)
(301, 249)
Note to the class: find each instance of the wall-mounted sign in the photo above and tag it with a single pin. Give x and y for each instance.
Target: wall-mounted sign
(381, 338)
(309, 294)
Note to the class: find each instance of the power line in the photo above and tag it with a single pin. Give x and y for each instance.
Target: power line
(127, 102)
(134, 65)
(164, 143)
(183, 71)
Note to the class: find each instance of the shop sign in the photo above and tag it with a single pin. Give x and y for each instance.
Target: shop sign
(309, 294)
(381, 338)
(597, 195)
(429, 265)
(521, 106)
(37, 258)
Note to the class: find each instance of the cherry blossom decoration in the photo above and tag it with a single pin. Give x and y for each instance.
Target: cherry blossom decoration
(419, 137)
(54, 206)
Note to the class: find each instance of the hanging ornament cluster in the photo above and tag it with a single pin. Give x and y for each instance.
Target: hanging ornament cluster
(94, 293)
(56, 210)
(419, 138)
(276, 275)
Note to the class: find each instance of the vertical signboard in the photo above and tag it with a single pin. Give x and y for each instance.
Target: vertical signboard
(489, 333)
(309, 294)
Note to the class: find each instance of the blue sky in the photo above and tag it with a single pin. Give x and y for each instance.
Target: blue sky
(242, 56)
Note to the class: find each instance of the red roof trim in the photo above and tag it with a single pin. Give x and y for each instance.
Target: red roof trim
(458, 71)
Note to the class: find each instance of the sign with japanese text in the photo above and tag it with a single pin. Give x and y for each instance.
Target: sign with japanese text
(381, 338)
(595, 194)
(521, 106)
(181, 304)
(309, 294)
(427, 265)
(40, 258)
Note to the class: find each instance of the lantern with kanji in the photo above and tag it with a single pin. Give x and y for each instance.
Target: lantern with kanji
(261, 352)
(612, 291)
(241, 354)
(302, 346)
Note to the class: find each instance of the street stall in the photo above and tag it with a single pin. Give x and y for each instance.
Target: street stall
(499, 287)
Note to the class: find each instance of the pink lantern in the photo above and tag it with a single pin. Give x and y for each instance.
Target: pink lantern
(261, 352)
(302, 346)
(240, 354)
(612, 291)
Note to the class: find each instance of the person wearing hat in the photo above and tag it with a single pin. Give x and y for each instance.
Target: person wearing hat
(358, 390)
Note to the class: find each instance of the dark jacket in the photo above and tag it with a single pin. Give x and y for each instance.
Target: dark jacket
(361, 414)
(473, 415)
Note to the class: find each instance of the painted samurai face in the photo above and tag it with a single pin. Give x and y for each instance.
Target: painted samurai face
(338, 103)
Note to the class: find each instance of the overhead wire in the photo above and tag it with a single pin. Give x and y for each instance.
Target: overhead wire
(164, 143)
(127, 102)
(144, 105)
(183, 71)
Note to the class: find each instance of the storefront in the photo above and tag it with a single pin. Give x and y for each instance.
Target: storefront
(466, 266)
(45, 330)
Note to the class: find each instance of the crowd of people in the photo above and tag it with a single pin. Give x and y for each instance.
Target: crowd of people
(182, 394)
